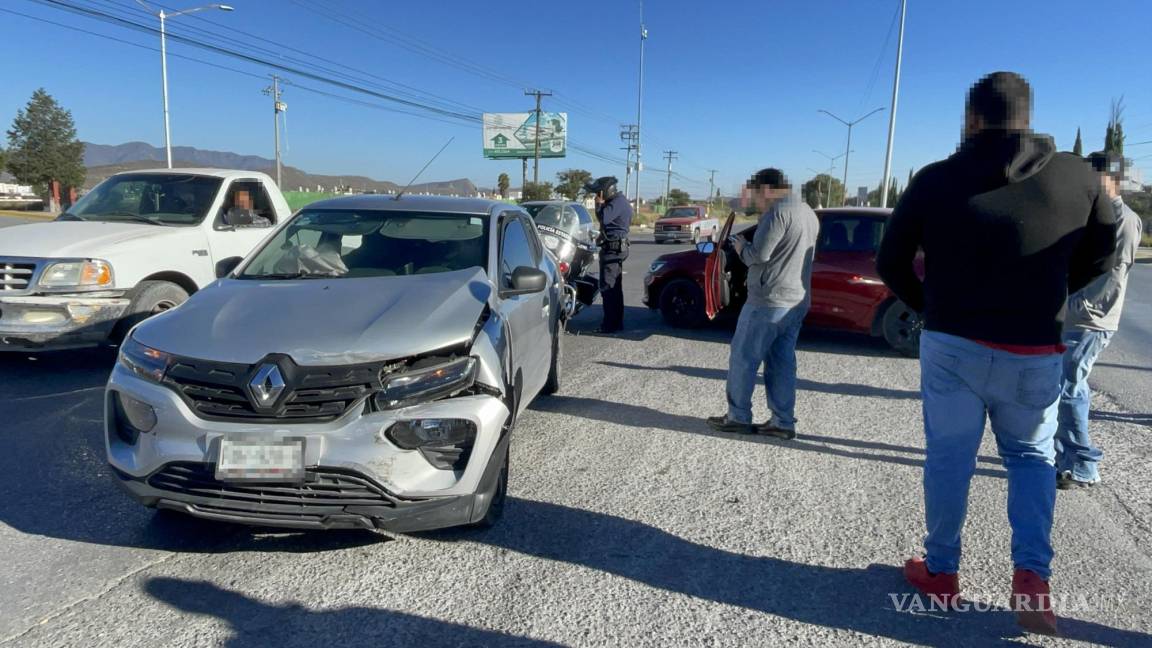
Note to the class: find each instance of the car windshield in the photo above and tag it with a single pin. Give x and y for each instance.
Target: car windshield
(371, 243)
(556, 216)
(681, 212)
(156, 198)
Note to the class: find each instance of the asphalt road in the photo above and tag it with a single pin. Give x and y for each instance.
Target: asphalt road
(629, 523)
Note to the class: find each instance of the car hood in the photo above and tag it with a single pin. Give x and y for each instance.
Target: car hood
(323, 321)
(74, 238)
(687, 259)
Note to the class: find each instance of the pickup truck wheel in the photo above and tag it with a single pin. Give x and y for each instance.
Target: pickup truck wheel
(682, 304)
(553, 384)
(151, 298)
(901, 327)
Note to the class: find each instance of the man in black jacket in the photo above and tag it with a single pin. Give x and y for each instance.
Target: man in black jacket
(615, 217)
(1008, 228)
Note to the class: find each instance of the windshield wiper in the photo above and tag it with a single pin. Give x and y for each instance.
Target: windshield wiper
(285, 275)
(69, 216)
(130, 215)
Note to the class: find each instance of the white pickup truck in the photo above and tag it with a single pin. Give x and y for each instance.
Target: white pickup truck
(138, 243)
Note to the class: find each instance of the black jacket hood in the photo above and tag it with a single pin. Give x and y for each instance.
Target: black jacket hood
(1016, 155)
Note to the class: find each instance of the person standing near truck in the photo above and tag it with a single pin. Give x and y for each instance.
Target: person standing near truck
(1093, 317)
(779, 260)
(615, 217)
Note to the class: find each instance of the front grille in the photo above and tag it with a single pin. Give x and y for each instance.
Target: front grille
(325, 491)
(669, 228)
(16, 276)
(219, 390)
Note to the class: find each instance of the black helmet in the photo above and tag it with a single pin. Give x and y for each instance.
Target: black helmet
(605, 186)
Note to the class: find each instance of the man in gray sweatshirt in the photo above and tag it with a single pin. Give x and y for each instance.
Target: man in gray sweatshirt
(1093, 317)
(779, 259)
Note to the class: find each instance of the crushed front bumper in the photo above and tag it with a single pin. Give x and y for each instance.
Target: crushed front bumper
(355, 477)
(57, 322)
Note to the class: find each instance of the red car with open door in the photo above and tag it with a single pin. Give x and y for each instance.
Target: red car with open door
(695, 286)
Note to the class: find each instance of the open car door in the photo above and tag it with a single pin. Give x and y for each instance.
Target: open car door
(715, 281)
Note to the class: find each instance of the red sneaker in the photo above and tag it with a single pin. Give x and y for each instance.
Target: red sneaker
(943, 589)
(1032, 602)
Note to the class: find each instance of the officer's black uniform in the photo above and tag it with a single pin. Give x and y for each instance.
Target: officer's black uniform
(615, 216)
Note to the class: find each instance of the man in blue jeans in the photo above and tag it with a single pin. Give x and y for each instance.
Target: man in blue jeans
(1008, 227)
(779, 260)
(1093, 317)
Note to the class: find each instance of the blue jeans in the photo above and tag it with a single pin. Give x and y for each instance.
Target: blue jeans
(765, 335)
(1074, 449)
(963, 383)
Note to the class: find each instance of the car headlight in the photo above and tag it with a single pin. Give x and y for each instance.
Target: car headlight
(432, 432)
(92, 273)
(656, 265)
(427, 384)
(144, 361)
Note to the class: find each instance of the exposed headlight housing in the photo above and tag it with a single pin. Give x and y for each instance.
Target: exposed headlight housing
(90, 274)
(425, 384)
(445, 443)
(144, 361)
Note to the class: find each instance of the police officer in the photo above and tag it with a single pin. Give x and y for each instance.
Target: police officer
(615, 217)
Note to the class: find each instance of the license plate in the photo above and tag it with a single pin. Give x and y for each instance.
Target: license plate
(261, 460)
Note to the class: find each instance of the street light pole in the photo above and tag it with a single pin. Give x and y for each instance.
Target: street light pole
(831, 168)
(640, 107)
(164, 16)
(892, 114)
(848, 146)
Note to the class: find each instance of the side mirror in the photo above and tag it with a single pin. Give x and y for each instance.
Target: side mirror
(224, 267)
(526, 280)
(706, 247)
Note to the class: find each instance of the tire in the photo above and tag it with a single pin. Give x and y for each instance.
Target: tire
(150, 298)
(553, 384)
(659, 242)
(901, 328)
(682, 304)
(496, 505)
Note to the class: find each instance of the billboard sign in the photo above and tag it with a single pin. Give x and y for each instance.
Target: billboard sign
(513, 135)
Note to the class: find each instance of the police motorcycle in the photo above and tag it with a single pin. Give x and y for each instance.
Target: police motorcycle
(573, 243)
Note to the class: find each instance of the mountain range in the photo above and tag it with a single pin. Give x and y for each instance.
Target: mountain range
(103, 160)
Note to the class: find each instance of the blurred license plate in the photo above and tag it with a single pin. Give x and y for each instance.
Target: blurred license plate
(256, 460)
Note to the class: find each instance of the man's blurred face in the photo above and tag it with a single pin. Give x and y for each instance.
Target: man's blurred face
(243, 200)
(1110, 184)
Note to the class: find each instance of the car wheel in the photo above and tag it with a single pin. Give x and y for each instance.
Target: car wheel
(682, 304)
(496, 504)
(901, 327)
(553, 384)
(658, 241)
(151, 298)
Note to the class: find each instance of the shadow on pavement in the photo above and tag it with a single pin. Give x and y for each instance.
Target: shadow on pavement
(843, 389)
(858, 600)
(256, 624)
(639, 416)
(56, 482)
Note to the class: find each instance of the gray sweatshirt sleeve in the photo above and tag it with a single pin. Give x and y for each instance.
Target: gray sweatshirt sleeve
(768, 235)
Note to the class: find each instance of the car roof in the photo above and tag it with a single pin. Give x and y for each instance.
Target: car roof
(227, 174)
(551, 202)
(884, 212)
(386, 202)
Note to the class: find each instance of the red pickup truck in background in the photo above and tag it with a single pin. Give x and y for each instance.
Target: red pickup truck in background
(686, 223)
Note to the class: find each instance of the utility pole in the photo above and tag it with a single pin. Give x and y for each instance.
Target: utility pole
(539, 95)
(523, 175)
(277, 108)
(629, 134)
(892, 115)
(668, 155)
(639, 108)
(848, 146)
(711, 186)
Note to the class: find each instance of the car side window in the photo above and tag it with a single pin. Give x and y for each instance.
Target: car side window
(246, 205)
(534, 242)
(850, 234)
(582, 214)
(515, 250)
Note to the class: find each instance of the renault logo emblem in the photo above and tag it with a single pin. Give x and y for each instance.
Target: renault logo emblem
(267, 385)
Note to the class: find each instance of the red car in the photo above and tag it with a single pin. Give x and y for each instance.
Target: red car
(847, 293)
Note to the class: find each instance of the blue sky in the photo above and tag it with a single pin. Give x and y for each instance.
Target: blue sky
(733, 85)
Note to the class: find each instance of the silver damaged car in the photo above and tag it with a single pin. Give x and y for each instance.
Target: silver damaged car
(362, 368)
